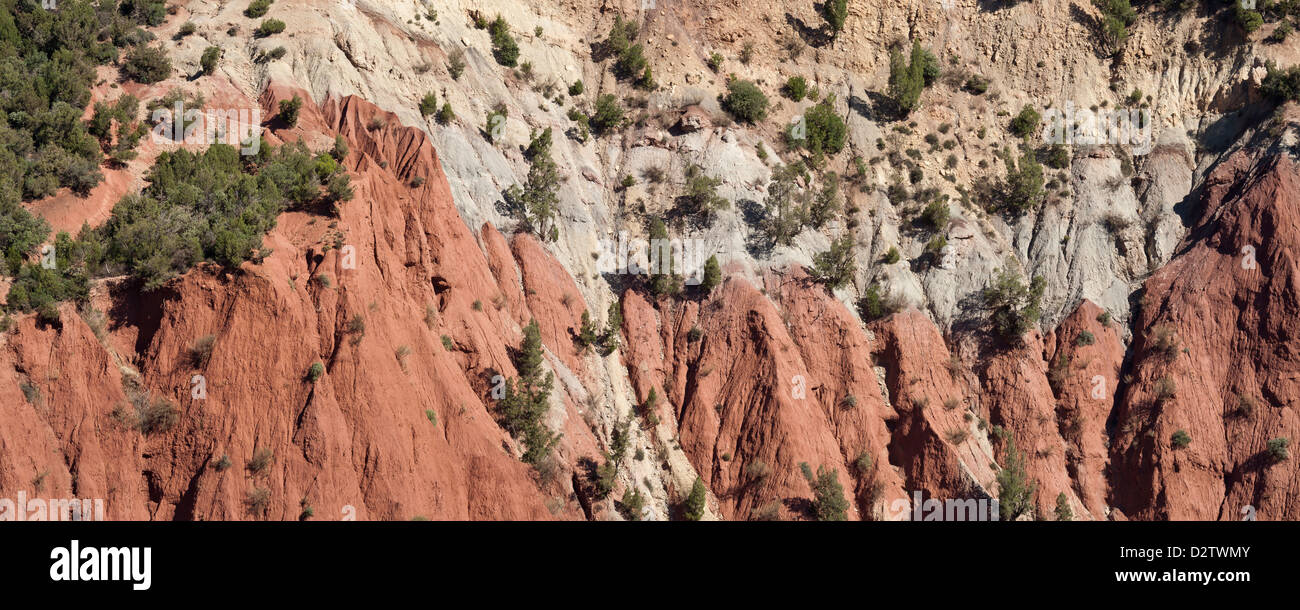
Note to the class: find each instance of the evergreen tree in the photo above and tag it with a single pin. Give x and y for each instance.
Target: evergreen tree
(828, 495)
(906, 79)
(1015, 491)
(712, 275)
(694, 507)
(661, 282)
(837, 11)
(1063, 512)
(836, 266)
(428, 104)
(534, 203)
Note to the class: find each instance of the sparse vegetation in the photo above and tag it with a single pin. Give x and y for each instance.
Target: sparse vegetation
(1015, 490)
(504, 48)
(745, 101)
(693, 507)
(828, 495)
(1015, 306)
(1277, 449)
(527, 400)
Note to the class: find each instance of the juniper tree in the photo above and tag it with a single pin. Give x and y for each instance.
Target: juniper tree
(828, 495)
(693, 509)
(1015, 491)
(534, 203)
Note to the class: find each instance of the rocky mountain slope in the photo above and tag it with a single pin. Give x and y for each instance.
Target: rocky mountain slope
(1154, 386)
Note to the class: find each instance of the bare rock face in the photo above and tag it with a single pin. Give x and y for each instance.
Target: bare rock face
(1214, 368)
(694, 118)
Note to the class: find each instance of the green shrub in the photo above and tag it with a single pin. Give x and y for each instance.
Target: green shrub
(836, 12)
(289, 110)
(631, 505)
(209, 60)
(315, 371)
(745, 101)
(836, 266)
(1026, 123)
(269, 27)
(608, 115)
(527, 399)
(1015, 491)
(936, 215)
(1063, 511)
(795, 88)
(693, 508)
(504, 48)
(828, 495)
(428, 104)
(825, 131)
(892, 256)
(576, 88)
(534, 202)
(446, 115)
(456, 64)
(257, 8)
(1180, 439)
(908, 77)
(1277, 449)
(1014, 305)
(1116, 16)
(146, 64)
(1249, 20)
(1281, 85)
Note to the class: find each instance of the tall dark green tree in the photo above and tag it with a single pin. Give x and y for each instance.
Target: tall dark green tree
(1015, 490)
(534, 202)
(712, 275)
(523, 409)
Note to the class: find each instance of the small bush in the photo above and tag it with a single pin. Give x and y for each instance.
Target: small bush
(795, 88)
(504, 48)
(1180, 439)
(261, 459)
(315, 371)
(428, 104)
(257, 8)
(147, 65)
(608, 115)
(201, 351)
(269, 27)
(209, 60)
(1277, 449)
(289, 110)
(745, 101)
(1026, 123)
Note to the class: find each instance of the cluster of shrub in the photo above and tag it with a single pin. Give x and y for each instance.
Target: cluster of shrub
(212, 206)
(47, 66)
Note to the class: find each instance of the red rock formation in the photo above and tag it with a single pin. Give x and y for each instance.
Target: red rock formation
(408, 270)
(1215, 357)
